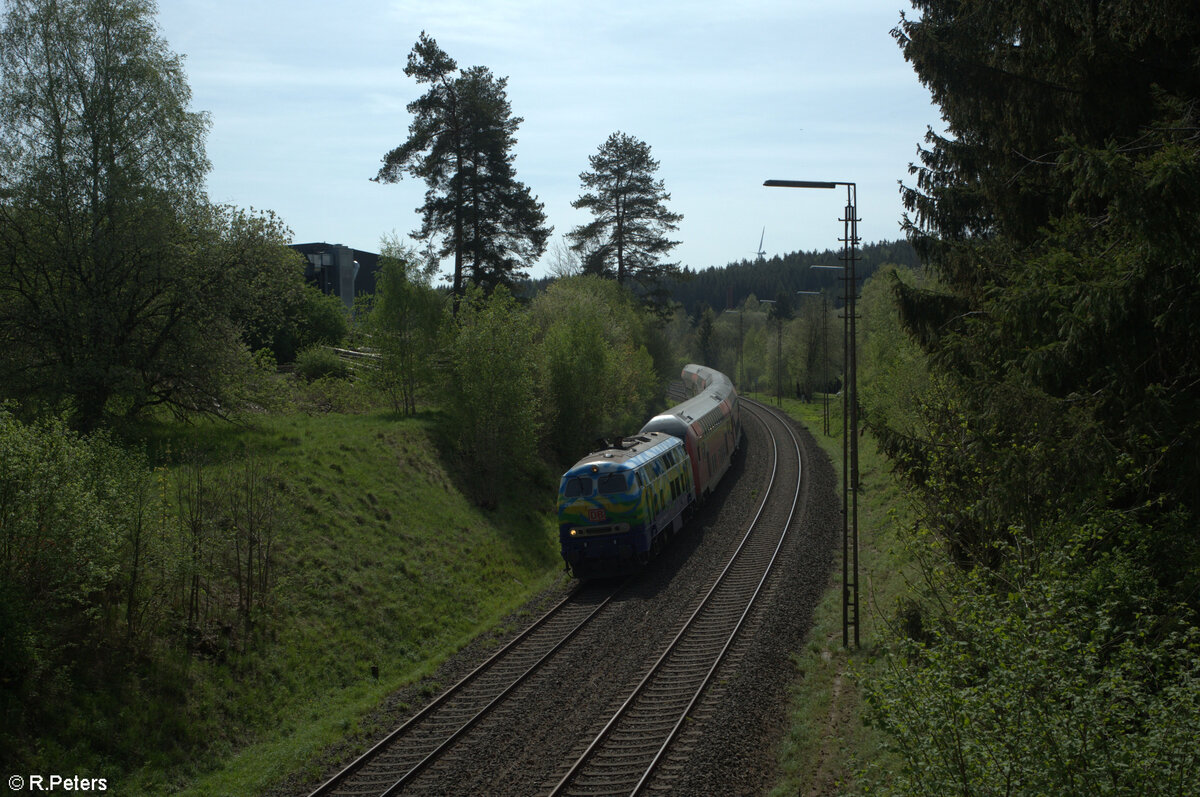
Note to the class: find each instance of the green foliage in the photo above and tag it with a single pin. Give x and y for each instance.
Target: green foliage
(1059, 682)
(727, 287)
(269, 293)
(95, 206)
(405, 320)
(71, 512)
(320, 362)
(490, 393)
(315, 318)
(893, 376)
(1054, 450)
(705, 336)
(121, 287)
(1063, 326)
(321, 319)
(813, 346)
(109, 572)
(597, 376)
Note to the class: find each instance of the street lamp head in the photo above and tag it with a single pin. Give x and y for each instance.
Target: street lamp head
(798, 184)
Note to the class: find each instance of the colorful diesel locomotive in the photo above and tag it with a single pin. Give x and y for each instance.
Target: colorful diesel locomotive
(618, 505)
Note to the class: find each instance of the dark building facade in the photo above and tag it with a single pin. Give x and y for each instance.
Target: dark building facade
(340, 270)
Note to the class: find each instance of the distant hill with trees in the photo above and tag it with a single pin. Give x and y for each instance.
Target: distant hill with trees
(728, 286)
(722, 287)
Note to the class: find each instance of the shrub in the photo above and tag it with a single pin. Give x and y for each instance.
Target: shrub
(490, 392)
(1054, 682)
(320, 362)
(72, 512)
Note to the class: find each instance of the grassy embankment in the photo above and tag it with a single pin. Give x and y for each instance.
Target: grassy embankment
(828, 741)
(384, 564)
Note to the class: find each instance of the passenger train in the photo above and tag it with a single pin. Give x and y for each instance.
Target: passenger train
(618, 505)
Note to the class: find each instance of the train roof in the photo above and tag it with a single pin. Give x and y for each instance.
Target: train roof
(709, 376)
(630, 452)
(702, 407)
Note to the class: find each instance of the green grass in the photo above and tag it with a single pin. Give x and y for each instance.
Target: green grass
(386, 564)
(827, 740)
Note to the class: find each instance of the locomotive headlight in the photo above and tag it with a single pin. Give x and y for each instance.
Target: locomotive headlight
(574, 532)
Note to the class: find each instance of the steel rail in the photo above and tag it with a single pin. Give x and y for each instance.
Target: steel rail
(473, 721)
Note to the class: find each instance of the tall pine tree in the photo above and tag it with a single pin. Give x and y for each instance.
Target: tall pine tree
(628, 233)
(460, 143)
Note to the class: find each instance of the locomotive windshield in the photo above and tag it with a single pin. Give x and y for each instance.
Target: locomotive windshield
(579, 486)
(612, 483)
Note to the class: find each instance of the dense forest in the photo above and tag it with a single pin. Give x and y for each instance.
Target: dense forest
(1047, 422)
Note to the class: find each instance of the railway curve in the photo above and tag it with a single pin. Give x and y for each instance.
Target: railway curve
(522, 741)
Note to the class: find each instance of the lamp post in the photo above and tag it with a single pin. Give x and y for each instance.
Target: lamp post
(849, 258)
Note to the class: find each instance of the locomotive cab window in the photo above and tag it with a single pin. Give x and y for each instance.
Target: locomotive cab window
(611, 483)
(579, 486)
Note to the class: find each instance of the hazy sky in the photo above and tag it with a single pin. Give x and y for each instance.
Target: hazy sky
(307, 97)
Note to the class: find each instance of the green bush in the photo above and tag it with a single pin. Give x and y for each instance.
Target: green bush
(320, 362)
(596, 375)
(71, 521)
(319, 318)
(490, 392)
(1054, 682)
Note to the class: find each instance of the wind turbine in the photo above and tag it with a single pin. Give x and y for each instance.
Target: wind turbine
(761, 252)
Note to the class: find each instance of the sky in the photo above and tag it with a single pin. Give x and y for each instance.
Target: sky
(305, 98)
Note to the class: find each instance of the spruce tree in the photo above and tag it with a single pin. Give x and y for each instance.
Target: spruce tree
(1061, 217)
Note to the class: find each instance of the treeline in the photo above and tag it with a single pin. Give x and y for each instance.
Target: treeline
(520, 382)
(726, 287)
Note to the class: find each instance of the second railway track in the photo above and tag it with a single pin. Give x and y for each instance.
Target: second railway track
(407, 751)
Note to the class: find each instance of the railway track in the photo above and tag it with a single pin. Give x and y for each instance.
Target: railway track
(627, 754)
